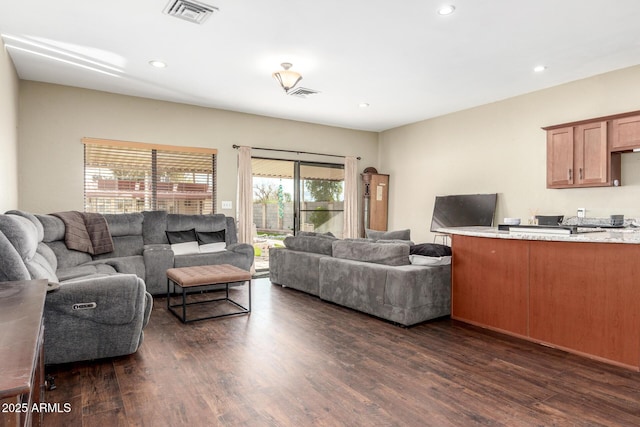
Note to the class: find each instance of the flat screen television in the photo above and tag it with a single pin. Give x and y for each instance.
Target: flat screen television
(464, 210)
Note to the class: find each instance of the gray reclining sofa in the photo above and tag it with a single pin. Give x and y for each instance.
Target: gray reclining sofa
(33, 247)
(141, 246)
(374, 277)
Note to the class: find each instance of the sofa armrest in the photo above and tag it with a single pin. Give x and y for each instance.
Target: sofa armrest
(242, 248)
(95, 317)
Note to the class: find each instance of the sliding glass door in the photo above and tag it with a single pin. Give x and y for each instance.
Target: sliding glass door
(290, 196)
(321, 198)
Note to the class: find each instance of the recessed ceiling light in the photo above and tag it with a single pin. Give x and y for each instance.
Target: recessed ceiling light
(446, 10)
(540, 68)
(363, 105)
(157, 64)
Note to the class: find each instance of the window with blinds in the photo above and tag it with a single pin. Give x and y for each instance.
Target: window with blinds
(122, 177)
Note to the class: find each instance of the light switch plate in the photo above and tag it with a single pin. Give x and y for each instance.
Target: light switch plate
(227, 204)
(581, 212)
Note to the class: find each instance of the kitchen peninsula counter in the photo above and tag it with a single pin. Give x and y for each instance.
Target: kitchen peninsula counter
(587, 235)
(579, 292)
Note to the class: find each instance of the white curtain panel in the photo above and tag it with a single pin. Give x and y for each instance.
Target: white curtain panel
(245, 196)
(351, 229)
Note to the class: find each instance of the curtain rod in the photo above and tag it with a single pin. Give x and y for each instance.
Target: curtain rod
(293, 151)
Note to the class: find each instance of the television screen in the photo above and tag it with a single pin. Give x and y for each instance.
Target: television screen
(464, 210)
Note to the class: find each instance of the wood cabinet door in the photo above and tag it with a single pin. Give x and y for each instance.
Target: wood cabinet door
(490, 280)
(591, 161)
(625, 133)
(585, 297)
(560, 154)
(379, 201)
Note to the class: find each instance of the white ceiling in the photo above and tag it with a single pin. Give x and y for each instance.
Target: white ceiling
(401, 57)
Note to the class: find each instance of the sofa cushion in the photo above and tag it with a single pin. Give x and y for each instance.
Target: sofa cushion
(199, 222)
(124, 246)
(125, 224)
(328, 234)
(429, 260)
(53, 228)
(85, 270)
(318, 244)
(373, 252)
(11, 264)
(67, 257)
(388, 235)
(211, 241)
(205, 237)
(31, 217)
(430, 249)
(23, 235)
(183, 242)
(154, 226)
(182, 236)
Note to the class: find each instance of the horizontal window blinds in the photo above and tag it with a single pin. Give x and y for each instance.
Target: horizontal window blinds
(131, 177)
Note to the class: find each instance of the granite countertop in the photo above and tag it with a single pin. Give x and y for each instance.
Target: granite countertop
(618, 235)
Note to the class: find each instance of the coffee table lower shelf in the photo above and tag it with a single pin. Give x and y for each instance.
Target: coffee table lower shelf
(191, 280)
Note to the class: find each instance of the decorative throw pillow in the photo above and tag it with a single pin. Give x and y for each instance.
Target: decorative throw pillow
(430, 249)
(429, 260)
(183, 242)
(388, 235)
(211, 241)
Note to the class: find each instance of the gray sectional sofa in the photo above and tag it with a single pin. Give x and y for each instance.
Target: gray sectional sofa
(141, 246)
(374, 277)
(103, 302)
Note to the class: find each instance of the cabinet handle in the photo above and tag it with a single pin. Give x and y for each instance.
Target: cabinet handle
(570, 175)
(580, 174)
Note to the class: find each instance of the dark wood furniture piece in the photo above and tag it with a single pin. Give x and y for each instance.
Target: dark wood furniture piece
(21, 352)
(194, 279)
(581, 297)
(376, 201)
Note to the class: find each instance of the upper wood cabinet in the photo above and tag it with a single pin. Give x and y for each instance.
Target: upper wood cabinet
(560, 153)
(592, 161)
(625, 133)
(578, 156)
(587, 153)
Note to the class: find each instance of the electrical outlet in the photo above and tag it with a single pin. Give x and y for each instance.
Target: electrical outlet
(581, 212)
(227, 204)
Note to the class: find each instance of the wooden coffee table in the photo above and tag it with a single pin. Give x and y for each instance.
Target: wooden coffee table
(193, 279)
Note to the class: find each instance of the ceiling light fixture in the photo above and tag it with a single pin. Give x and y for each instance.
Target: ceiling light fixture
(158, 64)
(287, 78)
(363, 105)
(446, 10)
(540, 68)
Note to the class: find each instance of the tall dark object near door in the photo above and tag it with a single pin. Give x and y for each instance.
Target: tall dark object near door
(375, 200)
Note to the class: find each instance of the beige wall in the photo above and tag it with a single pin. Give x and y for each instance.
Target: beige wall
(497, 147)
(53, 119)
(8, 132)
(500, 148)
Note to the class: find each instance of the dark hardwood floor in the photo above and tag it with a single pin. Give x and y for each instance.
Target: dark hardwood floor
(299, 361)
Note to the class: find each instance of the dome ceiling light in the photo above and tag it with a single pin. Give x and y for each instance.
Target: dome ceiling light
(446, 10)
(287, 78)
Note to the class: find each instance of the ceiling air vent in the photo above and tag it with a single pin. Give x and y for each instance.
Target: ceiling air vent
(302, 92)
(189, 10)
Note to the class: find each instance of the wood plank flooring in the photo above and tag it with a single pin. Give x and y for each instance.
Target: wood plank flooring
(299, 361)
